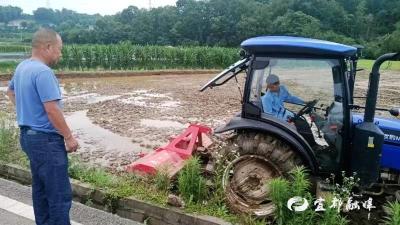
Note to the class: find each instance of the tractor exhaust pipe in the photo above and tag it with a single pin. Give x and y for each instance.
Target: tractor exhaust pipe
(373, 85)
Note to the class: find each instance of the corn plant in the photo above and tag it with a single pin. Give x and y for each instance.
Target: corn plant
(191, 184)
(331, 215)
(393, 217)
(280, 194)
(126, 56)
(14, 48)
(281, 190)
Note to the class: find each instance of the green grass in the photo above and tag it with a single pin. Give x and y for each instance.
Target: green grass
(367, 64)
(117, 186)
(162, 180)
(8, 66)
(10, 150)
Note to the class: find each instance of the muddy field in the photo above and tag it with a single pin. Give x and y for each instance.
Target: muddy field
(116, 118)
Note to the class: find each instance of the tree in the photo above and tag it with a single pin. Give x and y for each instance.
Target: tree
(227, 22)
(193, 25)
(297, 23)
(45, 16)
(9, 13)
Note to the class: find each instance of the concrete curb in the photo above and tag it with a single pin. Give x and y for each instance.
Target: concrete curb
(129, 208)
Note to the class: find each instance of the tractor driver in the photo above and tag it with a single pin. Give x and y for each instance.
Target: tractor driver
(272, 101)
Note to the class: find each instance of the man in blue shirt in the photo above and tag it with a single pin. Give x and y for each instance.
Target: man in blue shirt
(273, 100)
(45, 136)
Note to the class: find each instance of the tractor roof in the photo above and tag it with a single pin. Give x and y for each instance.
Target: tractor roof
(296, 45)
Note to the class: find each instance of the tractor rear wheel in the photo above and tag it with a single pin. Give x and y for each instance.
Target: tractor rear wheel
(262, 158)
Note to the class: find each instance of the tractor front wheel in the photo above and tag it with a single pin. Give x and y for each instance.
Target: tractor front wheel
(245, 181)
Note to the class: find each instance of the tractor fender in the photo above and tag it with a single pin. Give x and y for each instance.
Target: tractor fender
(290, 135)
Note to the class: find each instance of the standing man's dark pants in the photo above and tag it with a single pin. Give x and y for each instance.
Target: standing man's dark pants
(51, 188)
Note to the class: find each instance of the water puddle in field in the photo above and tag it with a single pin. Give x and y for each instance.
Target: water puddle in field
(137, 101)
(91, 98)
(143, 98)
(162, 124)
(89, 132)
(99, 146)
(170, 104)
(142, 101)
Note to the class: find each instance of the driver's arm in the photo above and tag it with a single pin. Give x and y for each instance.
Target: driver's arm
(290, 98)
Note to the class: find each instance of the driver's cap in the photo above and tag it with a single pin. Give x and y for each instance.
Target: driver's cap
(272, 79)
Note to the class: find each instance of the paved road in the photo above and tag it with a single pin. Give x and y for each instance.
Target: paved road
(16, 209)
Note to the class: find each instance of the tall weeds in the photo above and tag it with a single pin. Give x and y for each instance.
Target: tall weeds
(191, 184)
(298, 184)
(393, 217)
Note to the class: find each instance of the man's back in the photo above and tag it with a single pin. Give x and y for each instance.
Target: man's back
(34, 83)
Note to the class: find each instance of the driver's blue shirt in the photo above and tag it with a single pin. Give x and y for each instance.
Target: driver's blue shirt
(273, 103)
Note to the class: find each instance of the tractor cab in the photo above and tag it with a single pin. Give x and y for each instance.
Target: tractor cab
(314, 75)
(298, 109)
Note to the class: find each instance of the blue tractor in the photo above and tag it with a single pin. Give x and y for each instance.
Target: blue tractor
(328, 135)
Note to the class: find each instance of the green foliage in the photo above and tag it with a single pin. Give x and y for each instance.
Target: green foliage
(14, 48)
(92, 175)
(162, 180)
(296, 23)
(371, 23)
(348, 183)
(8, 13)
(301, 183)
(116, 186)
(391, 42)
(393, 217)
(126, 56)
(191, 184)
(331, 216)
(249, 220)
(8, 66)
(281, 190)
(10, 151)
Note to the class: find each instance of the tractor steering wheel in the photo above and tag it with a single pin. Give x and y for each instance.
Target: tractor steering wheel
(307, 108)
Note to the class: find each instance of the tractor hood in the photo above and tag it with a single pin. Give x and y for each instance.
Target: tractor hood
(382, 123)
(391, 147)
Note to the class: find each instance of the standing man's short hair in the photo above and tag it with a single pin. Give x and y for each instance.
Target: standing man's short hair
(43, 37)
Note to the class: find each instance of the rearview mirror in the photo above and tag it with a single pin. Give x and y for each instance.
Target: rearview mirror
(394, 112)
(242, 54)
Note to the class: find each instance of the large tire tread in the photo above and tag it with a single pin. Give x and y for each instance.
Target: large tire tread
(270, 147)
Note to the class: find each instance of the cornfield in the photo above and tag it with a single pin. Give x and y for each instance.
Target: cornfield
(126, 56)
(14, 48)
